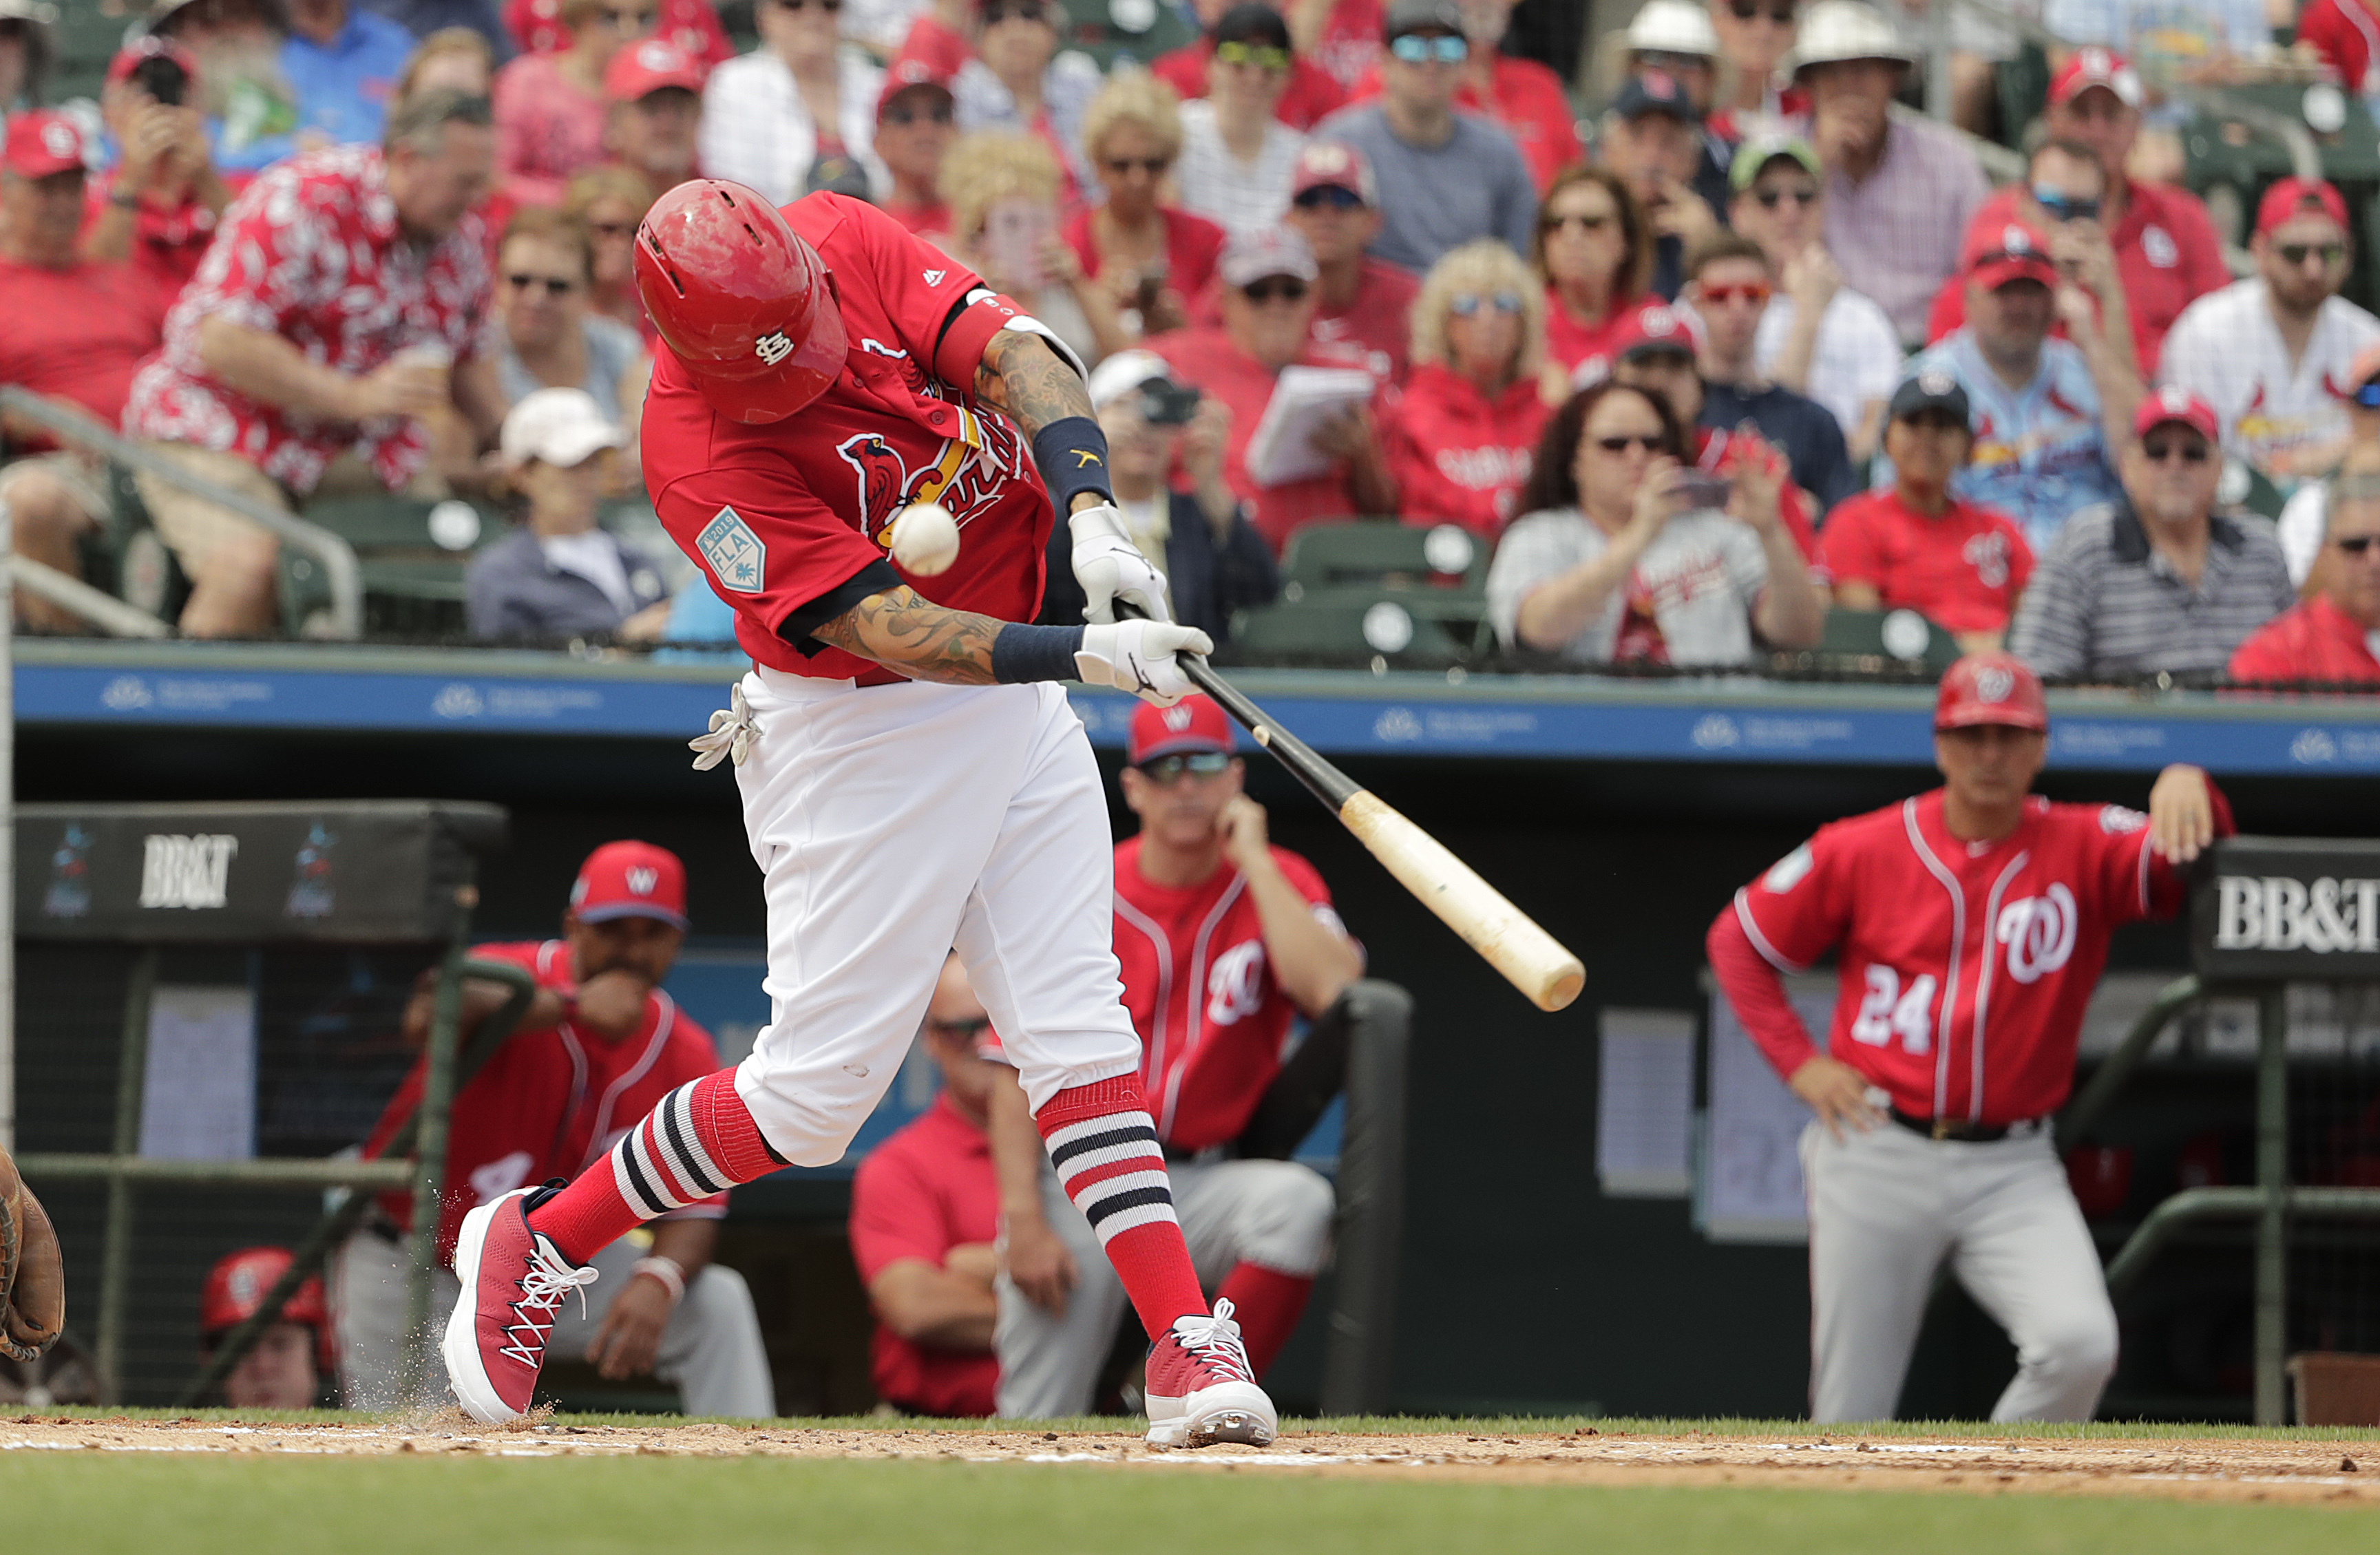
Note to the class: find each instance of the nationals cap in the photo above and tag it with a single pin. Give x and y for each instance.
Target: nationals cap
(630, 879)
(907, 73)
(236, 1287)
(1651, 331)
(2287, 200)
(2171, 404)
(1648, 91)
(1333, 165)
(1194, 723)
(1991, 688)
(647, 67)
(2095, 67)
(41, 142)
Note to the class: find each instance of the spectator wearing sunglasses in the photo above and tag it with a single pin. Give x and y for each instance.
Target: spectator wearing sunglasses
(2165, 254)
(1446, 178)
(611, 202)
(1758, 93)
(1335, 204)
(1310, 95)
(2334, 634)
(1912, 545)
(915, 130)
(2049, 413)
(798, 100)
(1595, 253)
(1236, 157)
(1524, 98)
(925, 1215)
(1899, 191)
(1729, 287)
(1002, 188)
(1149, 258)
(2155, 581)
(553, 337)
(2061, 196)
(1818, 336)
(551, 107)
(1268, 304)
(655, 92)
(1614, 563)
(1461, 439)
(2301, 520)
(2272, 353)
(1018, 79)
(1162, 433)
(691, 25)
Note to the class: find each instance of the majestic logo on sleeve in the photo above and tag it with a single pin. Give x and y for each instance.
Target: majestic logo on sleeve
(2038, 932)
(737, 558)
(774, 347)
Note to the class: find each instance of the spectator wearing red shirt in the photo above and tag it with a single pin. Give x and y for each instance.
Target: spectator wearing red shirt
(1594, 250)
(158, 206)
(1149, 258)
(1916, 547)
(1312, 94)
(600, 1045)
(1269, 308)
(913, 135)
(1343, 36)
(1222, 939)
(691, 25)
(1460, 440)
(925, 1213)
(655, 92)
(2335, 634)
(1754, 38)
(2346, 33)
(70, 330)
(550, 108)
(276, 365)
(1524, 98)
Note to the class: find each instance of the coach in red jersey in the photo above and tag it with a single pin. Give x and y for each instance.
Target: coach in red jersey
(924, 1212)
(598, 1045)
(1969, 926)
(1223, 939)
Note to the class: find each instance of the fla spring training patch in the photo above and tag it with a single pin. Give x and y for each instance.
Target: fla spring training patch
(737, 557)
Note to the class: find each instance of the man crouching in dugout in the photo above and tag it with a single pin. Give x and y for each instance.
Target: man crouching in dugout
(1969, 926)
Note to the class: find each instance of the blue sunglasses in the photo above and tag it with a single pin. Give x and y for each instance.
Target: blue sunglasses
(2062, 208)
(1414, 48)
(1464, 304)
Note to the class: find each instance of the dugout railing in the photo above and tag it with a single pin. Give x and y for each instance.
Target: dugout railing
(153, 879)
(2264, 914)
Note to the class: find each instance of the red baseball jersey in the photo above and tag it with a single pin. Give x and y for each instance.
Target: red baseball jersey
(925, 1190)
(1962, 571)
(1200, 990)
(790, 521)
(1962, 967)
(551, 1102)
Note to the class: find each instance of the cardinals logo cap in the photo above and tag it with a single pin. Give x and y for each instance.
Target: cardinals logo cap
(630, 879)
(1991, 688)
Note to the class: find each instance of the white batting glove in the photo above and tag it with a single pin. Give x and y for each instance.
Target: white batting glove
(1138, 657)
(1110, 567)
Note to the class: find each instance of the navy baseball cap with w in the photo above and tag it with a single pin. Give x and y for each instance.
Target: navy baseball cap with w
(1194, 723)
(630, 879)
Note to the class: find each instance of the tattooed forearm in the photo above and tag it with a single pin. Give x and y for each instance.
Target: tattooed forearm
(1021, 376)
(922, 641)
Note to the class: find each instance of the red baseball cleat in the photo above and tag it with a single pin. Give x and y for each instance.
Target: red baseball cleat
(513, 1282)
(1201, 1388)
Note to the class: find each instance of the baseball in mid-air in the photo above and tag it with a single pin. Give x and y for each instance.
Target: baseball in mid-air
(924, 539)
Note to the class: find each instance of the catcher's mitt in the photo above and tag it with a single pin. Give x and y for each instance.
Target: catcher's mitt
(32, 1276)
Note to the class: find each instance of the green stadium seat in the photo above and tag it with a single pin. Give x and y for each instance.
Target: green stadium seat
(1878, 638)
(1347, 626)
(2245, 486)
(1378, 553)
(412, 553)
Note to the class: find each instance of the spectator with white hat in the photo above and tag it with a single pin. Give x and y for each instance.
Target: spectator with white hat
(1900, 190)
(1215, 563)
(558, 575)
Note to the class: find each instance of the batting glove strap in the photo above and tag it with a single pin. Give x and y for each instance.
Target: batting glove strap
(1139, 657)
(1110, 566)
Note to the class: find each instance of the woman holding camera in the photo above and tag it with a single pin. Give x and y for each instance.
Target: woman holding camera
(1459, 444)
(1630, 555)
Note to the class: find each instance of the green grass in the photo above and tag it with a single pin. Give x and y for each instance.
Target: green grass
(91, 1504)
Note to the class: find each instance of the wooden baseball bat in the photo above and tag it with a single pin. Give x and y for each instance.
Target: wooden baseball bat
(1531, 959)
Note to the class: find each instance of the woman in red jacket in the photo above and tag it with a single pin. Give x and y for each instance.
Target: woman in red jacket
(1460, 443)
(1594, 250)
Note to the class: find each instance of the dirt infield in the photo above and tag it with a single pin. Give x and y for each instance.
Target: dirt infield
(2248, 1468)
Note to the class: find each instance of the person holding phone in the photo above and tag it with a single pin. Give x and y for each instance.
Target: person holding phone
(158, 206)
(1002, 188)
(1615, 563)
(1151, 256)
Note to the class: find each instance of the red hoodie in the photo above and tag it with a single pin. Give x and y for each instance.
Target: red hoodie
(2315, 641)
(1458, 457)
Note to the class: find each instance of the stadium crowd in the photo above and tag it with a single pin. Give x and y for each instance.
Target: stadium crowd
(1757, 344)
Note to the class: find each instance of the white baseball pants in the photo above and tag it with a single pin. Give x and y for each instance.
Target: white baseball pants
(712, 1350)
(894, 824)
(1888, 1206)
(1275, 1213)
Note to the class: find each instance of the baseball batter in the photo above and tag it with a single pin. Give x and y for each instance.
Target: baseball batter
(1969, 925)
(912, 776)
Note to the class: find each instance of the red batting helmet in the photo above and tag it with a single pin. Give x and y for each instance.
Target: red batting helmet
(235, 1288)
(740, 299)
(1991, 688)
